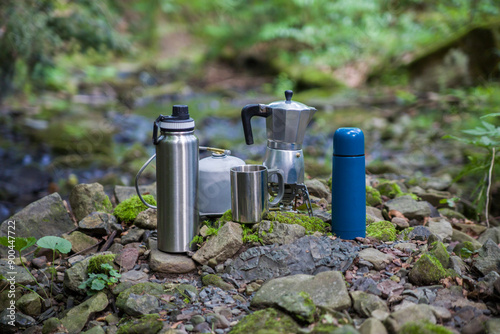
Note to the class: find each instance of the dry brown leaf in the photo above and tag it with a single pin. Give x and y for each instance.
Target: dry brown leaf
(396, 213)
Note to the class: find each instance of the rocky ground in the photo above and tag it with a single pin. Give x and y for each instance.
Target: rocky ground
(423, 268)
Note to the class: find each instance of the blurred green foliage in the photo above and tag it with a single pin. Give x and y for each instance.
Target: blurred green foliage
(33, 32)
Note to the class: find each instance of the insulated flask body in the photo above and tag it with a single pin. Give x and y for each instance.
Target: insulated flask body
(176, 180)
(348, 184)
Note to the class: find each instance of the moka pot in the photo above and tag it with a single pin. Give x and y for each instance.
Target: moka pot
(176, 180)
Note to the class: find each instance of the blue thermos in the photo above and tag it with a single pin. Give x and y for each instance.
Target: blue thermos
(348, 184)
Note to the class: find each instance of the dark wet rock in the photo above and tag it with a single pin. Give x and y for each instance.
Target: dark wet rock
(307, 255)
(277, 233)
(123, 193)
(99, 224)
(488, 259)
(78, 316)
(147, 324)
(491, 233)
(137, 305)
(298, 305)
(365, 303)
(222, 246)
(217, 281)
(30, 304)
(372, 326)
(39, 262)
(377, 258)
(133, 235)
(169, 263)
(146, 219)
(127, 258)
(21, 276)
(410, 314)
(20, 320)
(409, 207)
(317, 188)
(47, 216)
(88, 198)
(421, 233)
(427, 270)
(366, 284)
(463, 237)
(269, 320)
(80, 241)
(440, 227)
(326, 289)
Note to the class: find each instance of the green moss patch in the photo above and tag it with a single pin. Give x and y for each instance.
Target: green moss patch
(147, 324)
(423, 327)
(389, 188)
(266, 321)
(128, 210)
(373, 197)
(311, 224)
(427, 270)
(96, 261)
(382, 230)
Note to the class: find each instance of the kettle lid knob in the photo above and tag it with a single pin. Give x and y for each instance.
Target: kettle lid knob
(288, 96)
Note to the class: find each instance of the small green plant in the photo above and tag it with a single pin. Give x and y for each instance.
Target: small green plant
(58, 244)
(250, 235)
(197, 240)
(128, 210)
(451, 202)
(98, 282)
(96, 262)
(486, 136)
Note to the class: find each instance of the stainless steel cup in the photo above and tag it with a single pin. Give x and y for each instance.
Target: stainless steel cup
(249, 192)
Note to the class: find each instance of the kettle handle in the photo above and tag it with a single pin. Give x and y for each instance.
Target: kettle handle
(247, 113)
(137, 182)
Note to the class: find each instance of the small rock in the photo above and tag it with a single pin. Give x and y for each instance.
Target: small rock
(99, 224)
(137, 305)
(218, 320)
(53, 325)
(95, 330)
(277, 233)
(222, 246)
(327, 289)
(169, 263)
(317, 188)
(251, 288)
(440, 227)
(197, 319)
(372, 326)
(146, 219)
(491, 233)
(216, 281)
(377, 258)
(134, 276)
(268, 320)
(457, 264)
(30, 304)
(127, 258)
(375, 213)
(427, 270)
(413, 313)
(116, 248)
(299, 305)
(389, 288)
(463, 237)
(420, 233)
(21, 321)
(88, 198)
(409, 207)
(39, 262)
(400, 223)
(406, 246)
(450, 214)
(146, 324)
(488, 259)
(438, 250)
(21, 276)
(364, 303)
(203, 327)
(80, 241)
(133, 235)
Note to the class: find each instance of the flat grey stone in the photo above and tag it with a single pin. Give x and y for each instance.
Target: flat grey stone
(365, 303)
(222, 246)
(419, 312)
(327, 290)
(377, 258)
(372, 326)
(169, 263)
(99, 224)
(441, 227)
(277, 233)
(488, 259)
(409, 207)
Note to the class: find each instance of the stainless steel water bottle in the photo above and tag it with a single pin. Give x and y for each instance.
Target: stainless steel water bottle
(176, 180)
(348, 184)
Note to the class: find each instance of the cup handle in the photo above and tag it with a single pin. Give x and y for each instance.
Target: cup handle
(281, 185)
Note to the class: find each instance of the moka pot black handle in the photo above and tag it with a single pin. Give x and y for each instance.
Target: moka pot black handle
(247, 113)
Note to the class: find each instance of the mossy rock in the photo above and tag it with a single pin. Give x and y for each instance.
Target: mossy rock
(389, 188)
(382, 230)
(128, 210)
(147, 324)
(423, 327)
(427, 270)
(438, 250)
(372, 196)
(269, 320)
(217, 281)
(464, 249)
(96, 261)
(149, 288)
(311, 224)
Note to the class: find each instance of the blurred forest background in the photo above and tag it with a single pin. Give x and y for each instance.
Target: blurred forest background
(82, 81)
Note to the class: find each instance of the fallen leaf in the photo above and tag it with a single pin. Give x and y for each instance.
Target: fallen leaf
(396, 213)
(176, 324)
